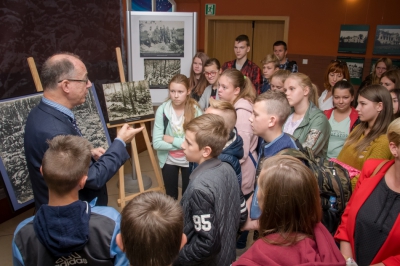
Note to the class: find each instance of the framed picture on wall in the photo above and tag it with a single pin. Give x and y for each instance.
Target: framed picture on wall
(356, 67)
(161, 38)
(353, 39)
(387, 40)
(158, 72)
(176, 30)
(13, 115)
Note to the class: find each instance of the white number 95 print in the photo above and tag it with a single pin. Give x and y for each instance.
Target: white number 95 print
(200, 222)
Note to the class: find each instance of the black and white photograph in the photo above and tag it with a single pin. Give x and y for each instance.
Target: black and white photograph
(13, 115)
(353, 39)
(161, 38)
(128, 101)
(356, 67)
(387, 40)
(158, 72)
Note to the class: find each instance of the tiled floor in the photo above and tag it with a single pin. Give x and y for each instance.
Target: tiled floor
(7, 228)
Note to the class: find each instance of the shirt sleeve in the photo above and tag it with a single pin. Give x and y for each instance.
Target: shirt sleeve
(318, 135)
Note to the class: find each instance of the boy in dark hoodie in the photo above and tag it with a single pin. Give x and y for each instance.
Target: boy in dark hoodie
(68, 231)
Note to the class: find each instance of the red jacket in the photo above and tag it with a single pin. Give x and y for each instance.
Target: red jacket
(353, 117)
(319, 252)
(389, 253)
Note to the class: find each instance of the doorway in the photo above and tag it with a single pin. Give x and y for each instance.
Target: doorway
(221, 31)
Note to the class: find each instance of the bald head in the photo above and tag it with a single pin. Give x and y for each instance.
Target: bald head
(58, 67)
(225, 110)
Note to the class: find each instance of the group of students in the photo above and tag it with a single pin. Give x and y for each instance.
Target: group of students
(285, 106)
(233, 178)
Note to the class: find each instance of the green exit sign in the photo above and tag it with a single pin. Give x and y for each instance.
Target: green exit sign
(210, 9)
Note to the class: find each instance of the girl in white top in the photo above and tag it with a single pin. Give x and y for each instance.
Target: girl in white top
(168, 133)
(336, 71)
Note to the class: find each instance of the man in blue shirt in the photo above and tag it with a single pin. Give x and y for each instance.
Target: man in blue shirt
(65, 85)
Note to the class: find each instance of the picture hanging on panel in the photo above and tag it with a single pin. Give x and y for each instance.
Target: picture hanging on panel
(353, 39)
(161, 38)
(356, 67)
(387, 40)
(158, 72)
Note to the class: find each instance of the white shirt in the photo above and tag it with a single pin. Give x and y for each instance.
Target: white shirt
(325, 105)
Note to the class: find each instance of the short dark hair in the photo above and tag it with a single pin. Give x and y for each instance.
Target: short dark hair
(210, 131)
(151, 229)
(54, 70)
(243, 38)
(65, 162)
(278, 43)
(343, 85)
(213, 61)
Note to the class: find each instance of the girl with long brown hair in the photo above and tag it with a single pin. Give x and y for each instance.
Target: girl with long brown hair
(168, 133)
(197, 80)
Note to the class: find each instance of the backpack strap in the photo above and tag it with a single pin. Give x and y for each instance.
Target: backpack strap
(379, 167)
(252, 159)
(165, 121)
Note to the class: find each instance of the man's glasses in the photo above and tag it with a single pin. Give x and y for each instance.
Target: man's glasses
(210, 74)
(86, 81)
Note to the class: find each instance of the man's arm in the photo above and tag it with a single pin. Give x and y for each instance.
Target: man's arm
(206, 242)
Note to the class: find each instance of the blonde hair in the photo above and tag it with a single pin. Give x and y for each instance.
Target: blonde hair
(281, 74)
(247, 91)
(190, 104)
(376, 94)
(388, 63)
(289, 200)
(271, 58)
(305, 81)
(228, 112)
(210, 131)
(393, 132)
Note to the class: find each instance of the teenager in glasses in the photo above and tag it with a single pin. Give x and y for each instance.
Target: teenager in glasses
(212, 71)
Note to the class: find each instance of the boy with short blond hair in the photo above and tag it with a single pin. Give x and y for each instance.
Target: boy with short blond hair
(211, 203)
(270, 66)
(151, 229)
(270, 111)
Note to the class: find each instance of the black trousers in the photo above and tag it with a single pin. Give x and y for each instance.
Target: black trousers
(170, 176)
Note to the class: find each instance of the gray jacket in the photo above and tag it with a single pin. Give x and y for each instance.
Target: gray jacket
(204, 101)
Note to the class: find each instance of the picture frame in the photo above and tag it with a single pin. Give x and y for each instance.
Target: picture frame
(158, 72)
(387, 40)
(14, 113)
(353, 39)
(128, 101)
(356, 68)
(161, 38)
(136, 62)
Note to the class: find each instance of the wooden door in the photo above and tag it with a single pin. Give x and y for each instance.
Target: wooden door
(222, 31)
(265, 34)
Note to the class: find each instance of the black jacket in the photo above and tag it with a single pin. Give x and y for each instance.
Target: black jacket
(211, 208)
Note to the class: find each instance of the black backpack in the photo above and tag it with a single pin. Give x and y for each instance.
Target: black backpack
(333, 180)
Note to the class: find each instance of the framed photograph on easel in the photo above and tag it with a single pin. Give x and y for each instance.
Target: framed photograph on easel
(13, 115)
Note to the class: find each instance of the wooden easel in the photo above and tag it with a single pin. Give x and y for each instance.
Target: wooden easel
(122, 198)
(35, 74)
